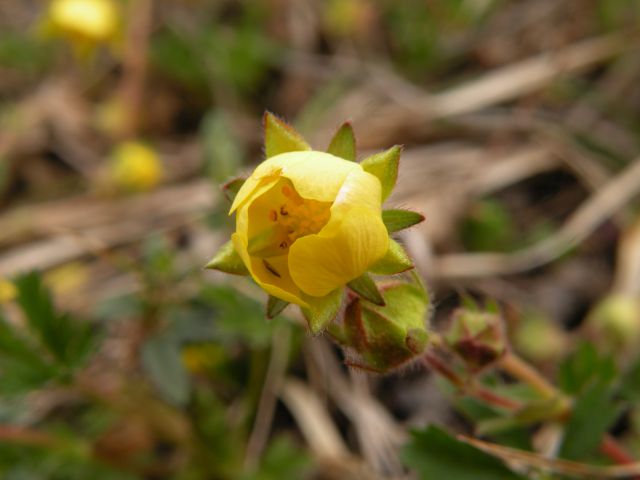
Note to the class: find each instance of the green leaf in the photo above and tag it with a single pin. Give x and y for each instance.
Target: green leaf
(275, 306)
(343, 143)
(591, 378)
(435, 454)
(583, 367)
(232, 187)
(394, 261)
(227, 260)
(68, 341)
(282, 459)
(323, 311)
(162, 361)
(23, 366)
(396, 220)
(367, 289)
(280, 137)
(594, 411)
(384, 165)
(237, 318)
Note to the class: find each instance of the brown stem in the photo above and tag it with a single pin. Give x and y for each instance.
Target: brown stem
(135, 64)
(472, 389)
(518, 368)
(616, 452)
(25, 436)
(524, 372)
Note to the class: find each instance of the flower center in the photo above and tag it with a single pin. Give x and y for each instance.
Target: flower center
(289, 217)
(299, 217)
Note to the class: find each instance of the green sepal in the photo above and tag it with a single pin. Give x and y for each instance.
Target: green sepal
(323, 311)
(227, 260)
(384, 165)
(280, 137)
(396, 220)
(343, 143)
(380, 339)
(232, 187)
(367, 289)
(394, 261)
(275, 306)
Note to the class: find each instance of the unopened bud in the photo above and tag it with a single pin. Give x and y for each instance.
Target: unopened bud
(135, 167)
(478, 337)
(7, 291)
(381, 339)
(539, 339)
(616, 321)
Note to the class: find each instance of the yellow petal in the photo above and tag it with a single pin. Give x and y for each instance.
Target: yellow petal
(271, 274)
(353, 239)
(315, 176)
(253, 187)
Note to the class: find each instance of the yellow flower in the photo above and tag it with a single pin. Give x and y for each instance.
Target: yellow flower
(7, 291)
(135, 167)
(308, 223)
(87, 21)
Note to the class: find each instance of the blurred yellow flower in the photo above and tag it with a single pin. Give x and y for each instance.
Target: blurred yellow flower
(86, 21)
(135, 167)
(67, 278)
(308, 223)
(7, 291)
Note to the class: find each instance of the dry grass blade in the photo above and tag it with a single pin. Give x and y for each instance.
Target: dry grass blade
(522, 458)
(314, 421)
(523, 77)
(600, 206)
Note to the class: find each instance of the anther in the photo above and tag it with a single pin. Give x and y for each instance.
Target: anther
(283, 210)
(284, 245)
(273, 215)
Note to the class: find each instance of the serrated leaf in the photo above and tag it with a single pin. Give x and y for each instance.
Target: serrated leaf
(232, 187)
(593, 412)
(435, 454)
(396, 220)
(162, 361)
(275, 306)
(343, 143)
(323, 311)
(280, 137)
(66, 339)
(585, 366)
(367, 289)
(384, 165)
(237, 318)
(227, 260)
(394, 261)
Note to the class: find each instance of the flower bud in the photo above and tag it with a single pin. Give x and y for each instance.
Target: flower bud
(539, 339)
(616, 321)
(383, 338)
(135, 167)
(7, 291)
(478, 337)
(84, 23)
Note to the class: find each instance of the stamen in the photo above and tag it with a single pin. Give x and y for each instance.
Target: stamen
(284, 245)
(283, 210)
(273, 215)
